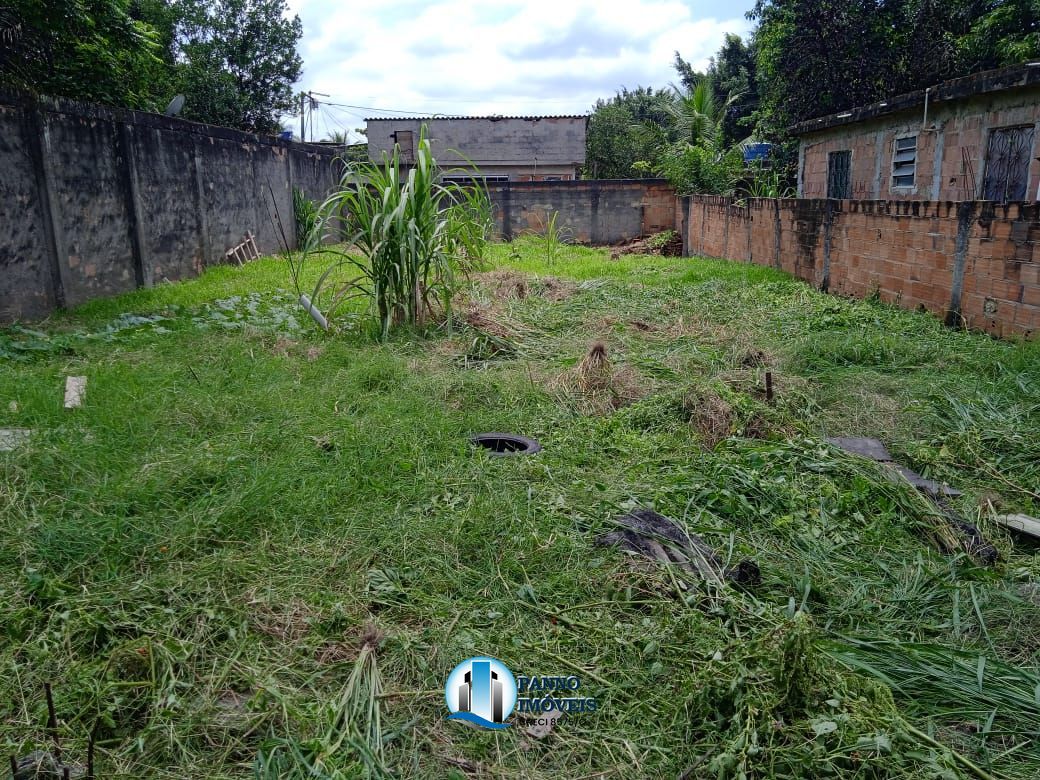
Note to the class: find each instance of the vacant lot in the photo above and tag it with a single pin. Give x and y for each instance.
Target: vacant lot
(258, 548)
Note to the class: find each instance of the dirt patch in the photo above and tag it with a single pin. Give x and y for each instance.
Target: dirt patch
(283, 346)
(643, 327)
(553, 289)
(751, 358)
(666, 244)
(289, 623)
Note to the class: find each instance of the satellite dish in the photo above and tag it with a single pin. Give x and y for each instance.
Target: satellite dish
(175, 106)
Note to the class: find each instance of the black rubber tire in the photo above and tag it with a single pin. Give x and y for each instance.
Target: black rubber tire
(501, 445)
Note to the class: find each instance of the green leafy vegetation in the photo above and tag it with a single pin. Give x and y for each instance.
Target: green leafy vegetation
(803, 59)
(235, 61)
(408, 238)
(258, 549)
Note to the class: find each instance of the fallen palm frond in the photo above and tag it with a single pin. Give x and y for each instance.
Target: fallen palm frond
(943, 682)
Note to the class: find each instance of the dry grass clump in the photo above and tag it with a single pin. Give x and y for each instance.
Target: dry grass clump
(753, 358)
(711, 416)
(490, 322)
(503, 285)
(510, 285)
(595, 371)
(598, 386)
(288, 623)
(555, 290)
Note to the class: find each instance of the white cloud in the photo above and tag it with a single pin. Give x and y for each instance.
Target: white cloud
(477, 57)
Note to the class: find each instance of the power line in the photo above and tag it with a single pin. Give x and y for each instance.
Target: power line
(407, 112)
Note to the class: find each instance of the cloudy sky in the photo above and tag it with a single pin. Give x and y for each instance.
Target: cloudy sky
(497, 56)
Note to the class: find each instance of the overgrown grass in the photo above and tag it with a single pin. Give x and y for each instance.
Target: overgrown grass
(258, 549)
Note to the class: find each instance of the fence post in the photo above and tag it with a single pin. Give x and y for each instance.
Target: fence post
(128, 171)
(39, 146)
(200, 204)
(965, 216)
(828, 225)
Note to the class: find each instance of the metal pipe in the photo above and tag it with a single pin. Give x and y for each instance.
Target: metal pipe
(312, 310)
(924, 122)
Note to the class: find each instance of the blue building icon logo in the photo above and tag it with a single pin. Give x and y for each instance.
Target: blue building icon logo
(481, 691)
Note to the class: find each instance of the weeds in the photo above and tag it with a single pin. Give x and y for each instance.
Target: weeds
(305, 213)
(407, 237)
(196, 556)
(552, 237)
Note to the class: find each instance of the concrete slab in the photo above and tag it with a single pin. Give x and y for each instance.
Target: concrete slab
(1021, 523)
(13, 438)
(929, 486)
(868, 448)
(75, 389)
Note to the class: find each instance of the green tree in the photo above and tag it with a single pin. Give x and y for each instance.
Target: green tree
(816, 57)
(103, 51)
(1000, 33)
(695, 157)
(237, 61)
(731, 74)
(617, 137)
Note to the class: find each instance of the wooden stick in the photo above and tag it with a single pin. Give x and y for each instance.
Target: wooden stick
(52, 721)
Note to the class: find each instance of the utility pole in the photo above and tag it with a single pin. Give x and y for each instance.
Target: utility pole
(304, 98)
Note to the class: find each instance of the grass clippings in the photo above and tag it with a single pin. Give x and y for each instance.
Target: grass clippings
(192, 559)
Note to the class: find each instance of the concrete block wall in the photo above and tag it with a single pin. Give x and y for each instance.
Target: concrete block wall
(493, 144)
(96, 201)
(592, 211)
(972, 263)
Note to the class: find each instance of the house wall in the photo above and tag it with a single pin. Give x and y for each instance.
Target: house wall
(96, 201)
(592, 212)
(951, 148)
(972, 263)
(524, 172)
(515, 145)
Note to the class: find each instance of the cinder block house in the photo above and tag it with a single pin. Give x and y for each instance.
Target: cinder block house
(972, 138)
(503, 148)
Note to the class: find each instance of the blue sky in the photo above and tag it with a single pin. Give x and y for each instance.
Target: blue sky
(504, 57)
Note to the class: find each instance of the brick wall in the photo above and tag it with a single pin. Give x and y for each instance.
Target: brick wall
(593, 211)
(972, 263)
(951, 148)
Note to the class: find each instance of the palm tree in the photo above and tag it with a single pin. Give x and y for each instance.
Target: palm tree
(696, 115)
(338, 137)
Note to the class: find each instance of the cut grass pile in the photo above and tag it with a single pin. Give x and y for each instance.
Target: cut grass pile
(258, 550)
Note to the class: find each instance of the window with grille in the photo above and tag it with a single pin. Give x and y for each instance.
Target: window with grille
(904, 161)
(1007, 163)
